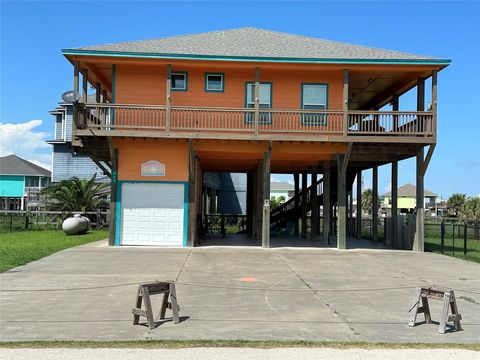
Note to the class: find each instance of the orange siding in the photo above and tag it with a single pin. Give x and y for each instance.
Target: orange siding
(146, 85)
(132, 153)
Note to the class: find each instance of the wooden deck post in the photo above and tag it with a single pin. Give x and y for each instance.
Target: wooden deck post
(76, 73)
(85, 86)
(375, 204)
(314, 206)
(342, 204)
(345, 101)
(418, 242)
(297, 203)
(254, 203)
(359, 205)
(98, 93)
(266, 199)
(394, 208)
(168, 100)
(257, 99)
(327, 207)
(434, 104)
(395, 105)
(304, 205)
(249, 202)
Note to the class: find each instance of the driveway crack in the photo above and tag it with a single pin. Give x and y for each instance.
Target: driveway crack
(320, 298)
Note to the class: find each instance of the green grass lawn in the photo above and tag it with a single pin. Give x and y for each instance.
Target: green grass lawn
(19, 248)
(473, 248)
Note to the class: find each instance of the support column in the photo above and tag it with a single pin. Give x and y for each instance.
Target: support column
(350, 212)
(394, 209)
(359, 204)
(249, 202)
(76, 75)
(113, 237)
(304, 205)
(418, 242)
(345, 101)
(314, 206)
(327, 207)
(257, 100)
(192, 213)
(342, 205)
(266, 199)
(297, 203)
(375, 204)
(85, 86)
(254, 203)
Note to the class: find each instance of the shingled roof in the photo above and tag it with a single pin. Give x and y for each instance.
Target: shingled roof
(14, 165)
(254, 44)
(409, 190)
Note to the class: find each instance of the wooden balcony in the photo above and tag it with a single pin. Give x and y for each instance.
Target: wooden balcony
(101, 119)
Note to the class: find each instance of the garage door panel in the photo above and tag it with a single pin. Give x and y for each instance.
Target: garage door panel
(152, 214)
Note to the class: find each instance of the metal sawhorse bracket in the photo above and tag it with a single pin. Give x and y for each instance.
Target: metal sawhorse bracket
(449, 301)
(143, 293)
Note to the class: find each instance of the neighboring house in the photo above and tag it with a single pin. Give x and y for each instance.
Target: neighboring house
(20, 183)
(407, 201)
(280, 188)
(65, 163)
(246, 101)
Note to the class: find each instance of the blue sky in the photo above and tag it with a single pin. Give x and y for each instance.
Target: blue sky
(34, 73)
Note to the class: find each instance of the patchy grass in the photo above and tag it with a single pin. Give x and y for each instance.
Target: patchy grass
(268, 344)
(19, 248)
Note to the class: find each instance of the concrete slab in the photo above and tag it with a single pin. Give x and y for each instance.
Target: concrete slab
(301, 293)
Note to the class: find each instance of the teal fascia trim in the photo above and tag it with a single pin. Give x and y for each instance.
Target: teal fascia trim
(206, 82)
(119, 206)
(255, 59)
(114, 84)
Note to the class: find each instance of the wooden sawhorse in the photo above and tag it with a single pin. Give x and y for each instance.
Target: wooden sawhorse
(448, 296)
(143, 293)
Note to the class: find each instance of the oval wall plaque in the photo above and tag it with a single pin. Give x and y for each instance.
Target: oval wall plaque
(153, 168)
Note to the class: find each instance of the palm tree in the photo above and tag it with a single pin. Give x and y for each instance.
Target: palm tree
(75, 195)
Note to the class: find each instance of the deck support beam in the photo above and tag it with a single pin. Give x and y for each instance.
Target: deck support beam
(434, 104)
(314, 206)
(304, 205)
(359, 204)
(375, 204)
(112, 233)
(192, 211)
(327, 207)
(418, 241)
(345, 101)
(168, 100)
(394, 210)
(266, 198)
(296, 227)
(257, 99)
(342, 205)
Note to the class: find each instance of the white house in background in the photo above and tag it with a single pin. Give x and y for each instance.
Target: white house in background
(280, 188)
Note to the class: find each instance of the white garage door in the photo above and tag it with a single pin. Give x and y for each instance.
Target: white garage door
(152, 214)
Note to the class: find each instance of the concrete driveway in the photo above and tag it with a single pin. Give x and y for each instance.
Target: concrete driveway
(305, 294)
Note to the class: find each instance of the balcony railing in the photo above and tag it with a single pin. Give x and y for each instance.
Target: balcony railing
(212, 120)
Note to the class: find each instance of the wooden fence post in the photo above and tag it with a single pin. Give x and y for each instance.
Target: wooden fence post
(442, 237)
(465, 239)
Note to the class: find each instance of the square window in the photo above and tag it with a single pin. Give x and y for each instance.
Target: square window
(179, 81)
(214, 82)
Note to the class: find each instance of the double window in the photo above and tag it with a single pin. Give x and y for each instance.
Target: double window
(264, 100)
(179, 81)
(214, 82)
(314, 96)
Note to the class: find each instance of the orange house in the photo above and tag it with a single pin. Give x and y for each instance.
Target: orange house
(254, 101)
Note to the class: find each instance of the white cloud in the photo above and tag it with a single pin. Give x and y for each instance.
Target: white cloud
(25, 141)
